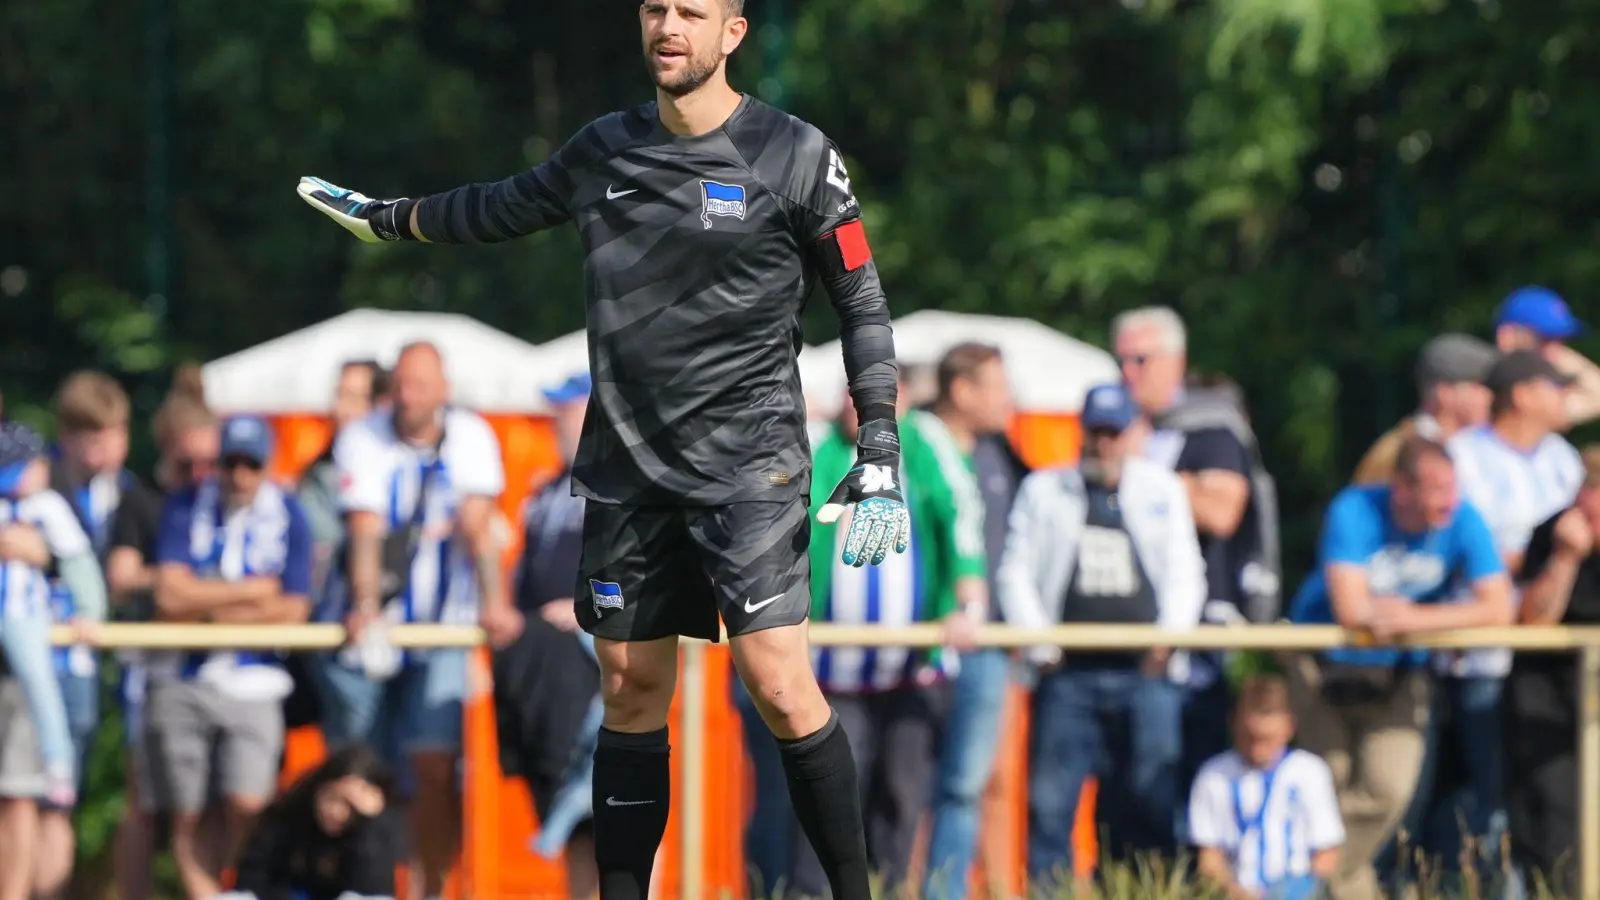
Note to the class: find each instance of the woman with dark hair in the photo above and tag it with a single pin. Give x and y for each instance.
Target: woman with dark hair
(333, 833)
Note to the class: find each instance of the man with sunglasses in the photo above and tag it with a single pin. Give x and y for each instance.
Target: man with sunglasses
(237, 549)
(1109, 540)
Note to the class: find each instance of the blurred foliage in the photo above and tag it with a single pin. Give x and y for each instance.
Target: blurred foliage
(1317, 185)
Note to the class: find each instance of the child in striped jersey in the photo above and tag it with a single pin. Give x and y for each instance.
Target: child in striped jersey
(1265, 817)
(25, 617)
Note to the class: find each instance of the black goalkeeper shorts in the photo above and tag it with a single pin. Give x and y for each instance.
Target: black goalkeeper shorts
(650, 572)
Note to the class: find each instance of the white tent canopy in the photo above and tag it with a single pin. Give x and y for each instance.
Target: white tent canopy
(562, 358)
(490, 371)
(1049, 371)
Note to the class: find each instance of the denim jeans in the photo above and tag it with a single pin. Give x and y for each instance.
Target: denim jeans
(769, 837)
(971, 740)
(26, 640)
(1121, 726)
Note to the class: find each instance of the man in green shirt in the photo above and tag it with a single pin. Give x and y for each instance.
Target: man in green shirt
(891, 700)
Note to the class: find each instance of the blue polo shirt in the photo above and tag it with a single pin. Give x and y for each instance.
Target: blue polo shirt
(1425, 567)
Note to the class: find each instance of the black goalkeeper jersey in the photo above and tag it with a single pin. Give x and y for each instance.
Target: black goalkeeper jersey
(698, 256)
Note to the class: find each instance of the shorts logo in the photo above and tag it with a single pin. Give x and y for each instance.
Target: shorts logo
(718, 199)
(607, 595)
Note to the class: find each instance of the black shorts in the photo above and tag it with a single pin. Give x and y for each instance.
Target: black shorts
(650, 572)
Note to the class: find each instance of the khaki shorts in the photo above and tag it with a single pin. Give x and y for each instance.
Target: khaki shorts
(200, 744)
(21, 765)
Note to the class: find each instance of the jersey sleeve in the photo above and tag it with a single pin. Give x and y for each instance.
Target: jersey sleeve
(1474, 545)
(531, 201)
(1324, 826)
(172, 539)
(1351, 531)
(1209, 809)
(363, 469)
(59, 526)
(474, 458)
(296, 577)
(827, 222)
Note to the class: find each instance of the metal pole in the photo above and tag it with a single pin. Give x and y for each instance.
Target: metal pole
(694, 770)
(1589, 769)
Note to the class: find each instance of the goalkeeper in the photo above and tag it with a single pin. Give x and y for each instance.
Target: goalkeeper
(705, 217)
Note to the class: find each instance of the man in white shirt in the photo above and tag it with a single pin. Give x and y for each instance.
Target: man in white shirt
(418, 485)
(1517, 471)
(1110, 540)
(1264, 816)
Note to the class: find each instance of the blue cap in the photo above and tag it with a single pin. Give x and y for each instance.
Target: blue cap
(1541, 311)
(1108, 407)
(248, 437)
(19, 447)
(570, 391)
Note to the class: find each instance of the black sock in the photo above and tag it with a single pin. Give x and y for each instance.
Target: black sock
(827, 801)
(632, 791)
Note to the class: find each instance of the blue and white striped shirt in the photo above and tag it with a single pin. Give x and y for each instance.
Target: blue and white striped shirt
(1514, 490)
(1269, 822)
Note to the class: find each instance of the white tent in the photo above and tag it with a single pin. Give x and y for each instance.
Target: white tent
(562, 358)
(490, 371)
(1049, 371)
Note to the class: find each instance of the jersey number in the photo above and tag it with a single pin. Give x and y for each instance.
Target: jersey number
(837, 176)
(1105, 564)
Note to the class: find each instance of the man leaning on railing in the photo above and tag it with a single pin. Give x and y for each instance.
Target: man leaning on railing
(1389, 555)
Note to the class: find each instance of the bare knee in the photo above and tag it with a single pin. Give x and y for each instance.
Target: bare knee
(775, 665)
(637, 679)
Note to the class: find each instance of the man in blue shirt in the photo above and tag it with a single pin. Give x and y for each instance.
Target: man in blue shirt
(1389, 554)
(236, 549)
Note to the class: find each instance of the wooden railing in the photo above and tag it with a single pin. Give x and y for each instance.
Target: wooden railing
(689, 736)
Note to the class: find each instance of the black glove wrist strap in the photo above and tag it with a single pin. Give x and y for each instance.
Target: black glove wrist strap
(392, 221)
(878, 436)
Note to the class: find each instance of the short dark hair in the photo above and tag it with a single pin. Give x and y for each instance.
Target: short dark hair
(91, 401)
(1408, 462)
(379, 376)
(962, 362)
(733, 7)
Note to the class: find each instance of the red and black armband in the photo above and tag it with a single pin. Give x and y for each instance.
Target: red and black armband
(843, 250)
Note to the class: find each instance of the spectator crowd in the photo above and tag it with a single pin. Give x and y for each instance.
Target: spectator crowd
(1318, 773)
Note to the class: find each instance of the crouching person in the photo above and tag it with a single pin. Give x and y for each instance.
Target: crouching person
(1264, 817)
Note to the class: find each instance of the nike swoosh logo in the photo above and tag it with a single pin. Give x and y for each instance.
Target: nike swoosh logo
(752, 607)
(612, 195)
(612, 801)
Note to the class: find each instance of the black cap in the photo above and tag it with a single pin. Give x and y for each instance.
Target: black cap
(1522, 366)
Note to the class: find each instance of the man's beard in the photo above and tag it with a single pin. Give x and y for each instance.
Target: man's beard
(697, 72)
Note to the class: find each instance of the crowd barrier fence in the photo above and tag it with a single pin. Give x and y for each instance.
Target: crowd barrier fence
(685, 876)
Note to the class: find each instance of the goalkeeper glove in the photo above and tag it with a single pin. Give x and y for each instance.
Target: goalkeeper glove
(368, 219)
(873, 486)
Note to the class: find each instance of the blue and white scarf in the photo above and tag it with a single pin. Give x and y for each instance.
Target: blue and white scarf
(231, 547)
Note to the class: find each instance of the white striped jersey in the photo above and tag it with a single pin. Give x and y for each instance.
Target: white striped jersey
(382, 474)
(1268, 822)
(25, 590)
(1514, 490)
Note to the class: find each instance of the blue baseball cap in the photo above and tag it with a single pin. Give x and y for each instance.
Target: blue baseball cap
(1541, 311)
(1108, 407)
(570, 391)
(247, 437)
(19, 447)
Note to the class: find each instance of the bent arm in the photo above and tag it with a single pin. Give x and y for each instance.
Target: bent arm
(180, 594)
(1218, 498)
(1489, 607)
(81, 575)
